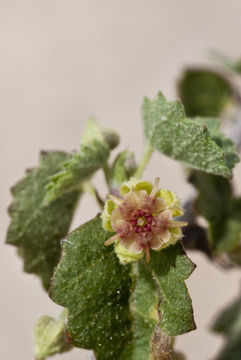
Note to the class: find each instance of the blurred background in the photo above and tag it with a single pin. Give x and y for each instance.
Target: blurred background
(62, 61)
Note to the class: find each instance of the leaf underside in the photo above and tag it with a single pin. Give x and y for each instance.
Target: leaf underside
(37, 229)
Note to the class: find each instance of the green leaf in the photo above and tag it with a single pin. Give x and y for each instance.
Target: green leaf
(113, 308)
(95, 288)
(94, 152)
(169, 269)
(37, 229)
(147, 336)
(160, 304)
(168, 131)
(124, 166)
(216, 203)
(228, 323)
(231, 349)
(224, 143)
(212, 123)
(204, 92)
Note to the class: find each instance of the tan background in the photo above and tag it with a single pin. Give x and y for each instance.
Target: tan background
(64, 60)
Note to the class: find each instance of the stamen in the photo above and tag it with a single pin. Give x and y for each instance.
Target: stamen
(146, 229)
(147, 252)
(155, 187)
(175, 223)
(112, 240)
(140, 213)
(149, 218)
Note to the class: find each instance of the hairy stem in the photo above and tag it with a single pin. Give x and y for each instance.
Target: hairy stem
(148, 151)
(94, 193)
(107, 174)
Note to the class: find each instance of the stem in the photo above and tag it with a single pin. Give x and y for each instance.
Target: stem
(148, 151)
(107, 174)
(94, 193)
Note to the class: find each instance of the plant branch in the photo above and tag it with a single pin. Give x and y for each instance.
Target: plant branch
(148, 151)
(94, 193)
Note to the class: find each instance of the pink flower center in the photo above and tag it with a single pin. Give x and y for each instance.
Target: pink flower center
(141, 222)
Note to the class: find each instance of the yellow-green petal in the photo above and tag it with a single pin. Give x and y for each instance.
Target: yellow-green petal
(172, 201)
(135, 185)
(125, 256)
(106, 214)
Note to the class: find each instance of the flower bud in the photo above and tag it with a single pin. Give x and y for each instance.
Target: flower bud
(49, 337)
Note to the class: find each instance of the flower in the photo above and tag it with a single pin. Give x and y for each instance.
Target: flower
(142, 219)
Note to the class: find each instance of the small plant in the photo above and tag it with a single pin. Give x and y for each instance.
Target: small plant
(120, 277)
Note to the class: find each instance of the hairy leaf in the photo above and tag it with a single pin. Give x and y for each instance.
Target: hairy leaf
(95, 288)
(148, 340)
(224, 143)
(160, 304)
(114, 309)
(94, 153)
(204, 92)
(222, 210)
(170, 268)
(168, 131)
(37, 229)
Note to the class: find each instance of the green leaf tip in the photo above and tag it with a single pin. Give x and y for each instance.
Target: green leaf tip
(94, 152)
(168, 131)
(37, 229)
(94, 131)
(50, 337)
(227, 145)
